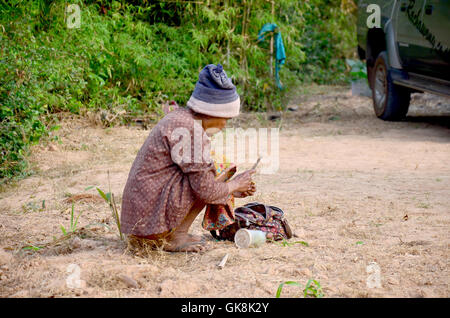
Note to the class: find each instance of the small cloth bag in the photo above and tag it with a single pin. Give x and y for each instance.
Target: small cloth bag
(257, 216)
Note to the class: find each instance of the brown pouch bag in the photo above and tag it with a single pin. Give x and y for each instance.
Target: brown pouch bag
(257, 216)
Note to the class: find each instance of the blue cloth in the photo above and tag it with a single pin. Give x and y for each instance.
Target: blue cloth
(280, 54)
(214, 86)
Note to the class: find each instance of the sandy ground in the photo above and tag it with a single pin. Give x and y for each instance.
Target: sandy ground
(369, 197)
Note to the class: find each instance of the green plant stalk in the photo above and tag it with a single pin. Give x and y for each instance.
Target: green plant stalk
(311, 290)
(113, 207)
(280, 287)
(116, 216)
(71, 217)
(73, 224)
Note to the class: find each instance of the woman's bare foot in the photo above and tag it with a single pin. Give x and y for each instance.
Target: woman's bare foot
(197, 238)
(181, 242)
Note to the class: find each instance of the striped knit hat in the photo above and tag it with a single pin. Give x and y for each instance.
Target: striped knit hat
(214, 94)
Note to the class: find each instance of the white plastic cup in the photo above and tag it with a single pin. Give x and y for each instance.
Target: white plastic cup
(249, 238)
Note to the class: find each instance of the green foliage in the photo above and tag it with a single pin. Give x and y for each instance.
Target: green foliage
(129, 57)
(73, 222)
(358, 69)
(328, 37)
(312, 289)
(280, 287)
(109, 198)
(32, 248)
(286, 243)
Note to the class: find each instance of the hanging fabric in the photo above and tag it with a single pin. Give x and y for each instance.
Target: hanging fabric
(280, 54)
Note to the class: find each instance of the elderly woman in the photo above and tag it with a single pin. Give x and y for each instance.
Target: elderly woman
(173, 177)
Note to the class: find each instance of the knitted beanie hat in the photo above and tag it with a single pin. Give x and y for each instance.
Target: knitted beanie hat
(214, 94)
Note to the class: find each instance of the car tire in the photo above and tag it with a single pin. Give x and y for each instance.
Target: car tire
(390, 101)
(369, 75)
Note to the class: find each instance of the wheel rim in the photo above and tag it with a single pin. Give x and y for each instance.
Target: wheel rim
(380, 89)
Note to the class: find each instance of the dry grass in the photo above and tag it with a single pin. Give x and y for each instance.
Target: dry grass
(346, 182)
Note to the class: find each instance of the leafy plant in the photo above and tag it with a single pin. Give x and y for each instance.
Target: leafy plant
(358, 69)
(32, 248)
(109, 198)
(280, 287)
(285, 243)
(312, 288)
(73, 222)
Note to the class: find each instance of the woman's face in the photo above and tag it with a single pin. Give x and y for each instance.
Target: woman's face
(213, 125)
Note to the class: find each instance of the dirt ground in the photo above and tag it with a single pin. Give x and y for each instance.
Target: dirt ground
(369, 197)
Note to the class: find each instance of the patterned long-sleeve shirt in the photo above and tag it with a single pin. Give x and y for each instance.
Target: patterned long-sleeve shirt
(172, 170)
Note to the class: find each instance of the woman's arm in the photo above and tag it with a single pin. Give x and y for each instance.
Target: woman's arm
(199, 169)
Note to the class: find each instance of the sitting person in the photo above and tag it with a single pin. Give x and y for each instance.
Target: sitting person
(173, 177)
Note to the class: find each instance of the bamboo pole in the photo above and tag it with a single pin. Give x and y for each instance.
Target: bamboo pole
(227, 5)
(271, 41)
(244, 46)
(243, 18)
(246, 31)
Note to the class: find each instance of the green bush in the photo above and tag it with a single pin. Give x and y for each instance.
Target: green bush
(131, 56)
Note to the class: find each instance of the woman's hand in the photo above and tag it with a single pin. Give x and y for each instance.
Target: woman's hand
(248, 193)
(242, 183)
